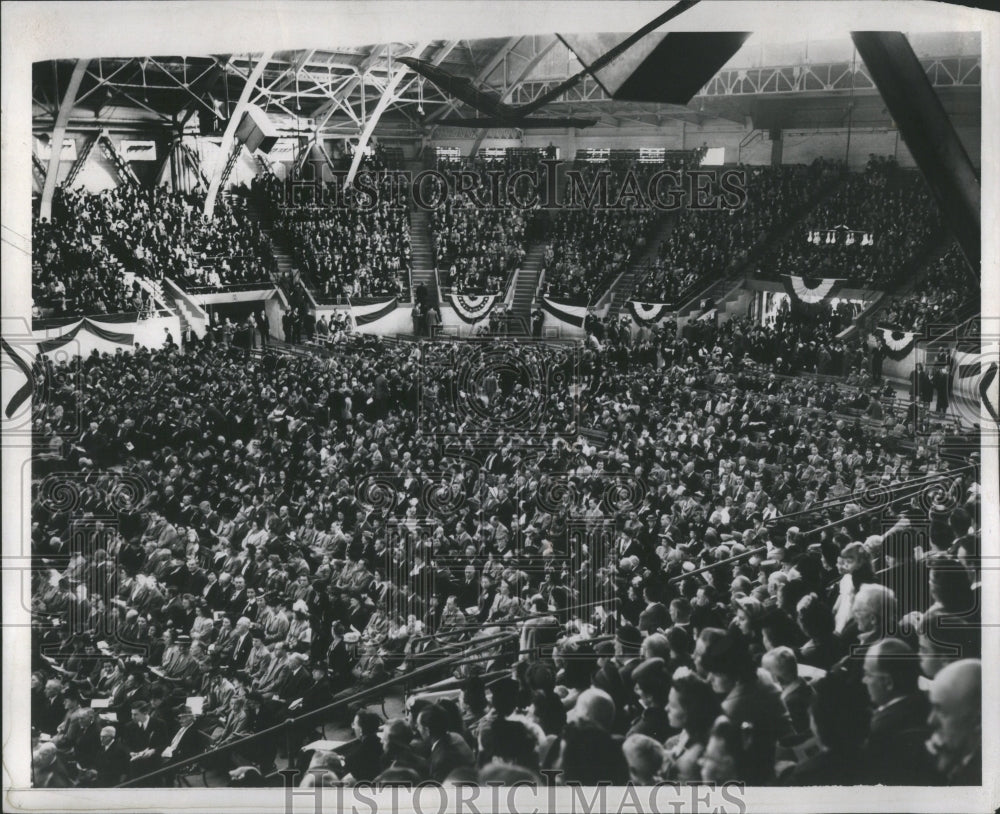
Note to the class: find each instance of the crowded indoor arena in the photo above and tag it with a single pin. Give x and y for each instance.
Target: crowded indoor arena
(542, 409)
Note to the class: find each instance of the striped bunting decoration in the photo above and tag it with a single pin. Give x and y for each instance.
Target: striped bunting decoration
(472, 307)
(648, 313)
(898, 343)
(811, 290)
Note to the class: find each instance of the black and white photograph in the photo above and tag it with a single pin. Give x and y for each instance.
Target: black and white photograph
(500, 406)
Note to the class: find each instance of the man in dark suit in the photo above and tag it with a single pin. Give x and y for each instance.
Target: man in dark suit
(211, 591)
(486, 597)
(364, 761)
(193, 577)
(338, 659)
(145, 738)
(796, 694)
(468, 591)
(448, 750)
(242, 642)
(895, 753)
(111, 761)
(298, 680)
(237, 600)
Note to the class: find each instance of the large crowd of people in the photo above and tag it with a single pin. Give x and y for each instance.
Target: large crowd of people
(670, 564)
(589, 246)
(476, 248)
(73, 271)
(93, 239)
(944, 294)
(867, 232)
(344, 251)
(704, 245)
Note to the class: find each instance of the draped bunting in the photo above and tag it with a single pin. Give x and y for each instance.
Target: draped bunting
(898, 343)
(365, 314)
(648, 313)
(571, 314)
(50, 323)
(43, 346)
(472, 307)
(977, 381)
(810, 290)
(49, 345)
(21, 395)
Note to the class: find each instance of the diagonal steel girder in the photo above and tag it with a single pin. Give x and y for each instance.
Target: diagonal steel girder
(58, 133)
(387, 97)
(229, 137)
(325, 112)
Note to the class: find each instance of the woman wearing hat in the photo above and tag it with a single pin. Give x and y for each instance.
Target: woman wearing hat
(652, 686)
(692, 707)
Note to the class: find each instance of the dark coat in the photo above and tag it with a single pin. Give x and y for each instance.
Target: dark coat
(449, 753)
(111, 765)
(653, 722)
(364, 761)
(895, 754)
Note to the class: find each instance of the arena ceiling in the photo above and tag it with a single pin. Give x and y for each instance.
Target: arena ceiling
(336, 92)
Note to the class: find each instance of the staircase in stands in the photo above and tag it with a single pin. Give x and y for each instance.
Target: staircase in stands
(726, 290)
(621, 290)
(283, 260)
(526, 284)
(421, 254)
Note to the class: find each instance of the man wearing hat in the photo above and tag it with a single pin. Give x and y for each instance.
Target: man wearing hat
(503, 703)
(276, 627)
(217, 689)
(178, 664)
(76, 720)
(187, 741)
(655, 617)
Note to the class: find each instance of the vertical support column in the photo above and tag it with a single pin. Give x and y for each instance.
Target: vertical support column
(777, 143)
(59, 133)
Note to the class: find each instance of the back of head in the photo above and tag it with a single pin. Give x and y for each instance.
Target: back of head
(589, 755)
(729, 656)
(899, 662)
(596, 706)
(644, 755)
(839, 711)
(507, 775)
(782, 664)
(510, 741)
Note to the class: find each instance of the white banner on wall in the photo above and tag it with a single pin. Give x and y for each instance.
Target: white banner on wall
(43, 149)
(134, 150)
